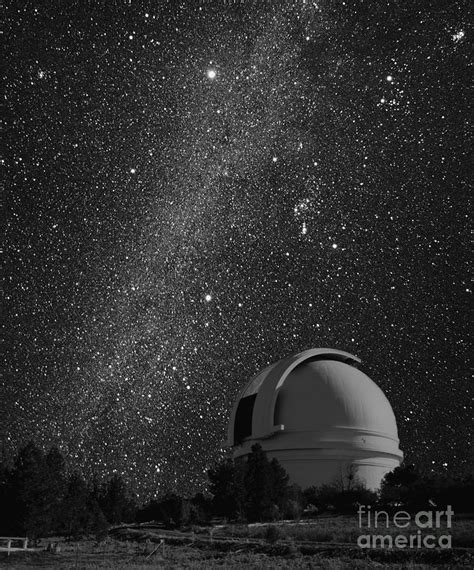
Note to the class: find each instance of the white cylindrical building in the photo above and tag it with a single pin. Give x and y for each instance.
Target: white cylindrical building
(320, 417)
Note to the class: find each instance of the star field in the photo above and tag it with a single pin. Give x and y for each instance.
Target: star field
(195, 190)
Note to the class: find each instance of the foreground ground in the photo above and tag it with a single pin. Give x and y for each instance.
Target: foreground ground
(326, 543)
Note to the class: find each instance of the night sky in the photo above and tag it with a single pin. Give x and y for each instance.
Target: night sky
(195, 190)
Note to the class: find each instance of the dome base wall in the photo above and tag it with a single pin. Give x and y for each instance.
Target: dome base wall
(316, 467)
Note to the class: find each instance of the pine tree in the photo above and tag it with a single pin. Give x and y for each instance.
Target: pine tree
(74, 507)
(57, 485)
(116, 502)
(398, 485)
(6, 501)
(227, 488)
(279, 489)
(255, 489)
(31, 508)
(258, 486)
(81, 513)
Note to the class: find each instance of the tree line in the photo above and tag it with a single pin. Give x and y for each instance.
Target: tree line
(39, 497)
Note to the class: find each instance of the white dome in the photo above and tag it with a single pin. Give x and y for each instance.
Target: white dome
(320, 416)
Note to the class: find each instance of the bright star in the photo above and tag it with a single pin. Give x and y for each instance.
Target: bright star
(208, 298)
(211, 73)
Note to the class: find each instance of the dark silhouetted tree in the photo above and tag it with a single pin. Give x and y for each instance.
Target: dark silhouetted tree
(343, 500)
(254, 488)
(150, 512)
(7, 501)
(227, 488)
(259, 480)
(415, 490)
(32, 497)
(81, 513)
(201, 509)
(171, 509)
(294, 504)
(402, 486)
(75, 514)
(279, 487)
(57, 485)
(116, 501)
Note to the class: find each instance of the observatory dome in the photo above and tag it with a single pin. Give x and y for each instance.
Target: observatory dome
(320, 417)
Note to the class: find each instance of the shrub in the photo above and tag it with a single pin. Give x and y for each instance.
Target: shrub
(274, 533)
(332, 497)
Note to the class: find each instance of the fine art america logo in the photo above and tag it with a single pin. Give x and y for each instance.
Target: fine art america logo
(421, 528)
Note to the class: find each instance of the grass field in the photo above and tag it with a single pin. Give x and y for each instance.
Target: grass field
(326, 543)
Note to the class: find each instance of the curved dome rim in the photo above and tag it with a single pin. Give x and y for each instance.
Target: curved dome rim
(287, 364)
